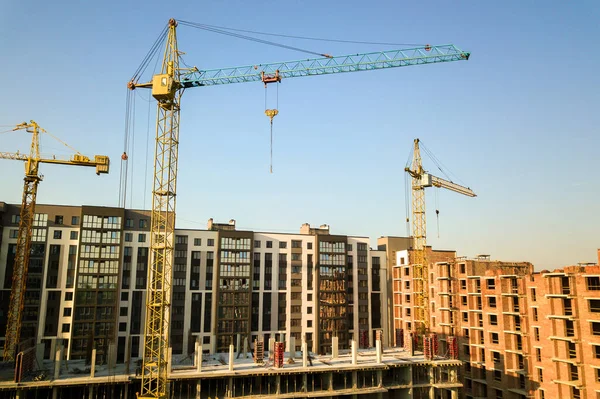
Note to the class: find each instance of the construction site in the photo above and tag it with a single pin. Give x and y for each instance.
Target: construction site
(112, 302)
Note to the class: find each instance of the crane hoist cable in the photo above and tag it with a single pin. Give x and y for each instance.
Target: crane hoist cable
(271, 113)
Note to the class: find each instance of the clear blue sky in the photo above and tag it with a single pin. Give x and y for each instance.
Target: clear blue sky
(518, 122)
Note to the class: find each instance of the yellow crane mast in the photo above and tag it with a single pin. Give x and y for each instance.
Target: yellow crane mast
(32, 179)
(420, 180)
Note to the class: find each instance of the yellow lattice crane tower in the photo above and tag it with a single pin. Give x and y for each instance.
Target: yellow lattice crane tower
(32, 179)
(420, 180)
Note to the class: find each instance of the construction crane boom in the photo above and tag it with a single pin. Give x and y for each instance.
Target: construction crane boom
(32, 179)
(167, 88)
(420, 180)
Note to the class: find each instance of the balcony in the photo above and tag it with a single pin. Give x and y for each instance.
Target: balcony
(577, 383)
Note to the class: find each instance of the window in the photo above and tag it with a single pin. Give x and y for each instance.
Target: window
(594, 305)
(15, 219)
(75, 220)
(572, 350)
(128, 237)
(535, 314)
(496, 357)
(570, 328)
(490, 283)
(123, 311)
(308, 323)
(57, 234)
(495, 338)
(536, 332)
(141, 237)
(498, 376)
(465, 317)
(595, 328)
(143, 223)
(596, 351)
(463, 300)
(124, 296)
(210, 242)
(296, 244)
(493, 320)
(74, 235)
(68, 296)
(574, 371)
(538, 354)
(309, 245)
(533, 295)
(66, 328)
(122, 326)
(282, 244)
(463, 268)
(197, 242)
(407, 285)
(256, 243)
(597, 375)
(492, 301)
(463, 284)
(540, 375)
(67, 312)
(406, 271)
(14, 233)
(593, 283)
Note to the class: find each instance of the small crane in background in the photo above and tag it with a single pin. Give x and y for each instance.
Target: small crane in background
(420, 180)
(30, 187)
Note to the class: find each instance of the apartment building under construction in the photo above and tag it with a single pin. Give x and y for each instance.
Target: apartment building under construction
(521, 333)
(88, 276)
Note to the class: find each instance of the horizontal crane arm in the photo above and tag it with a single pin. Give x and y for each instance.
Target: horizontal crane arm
(434, 181)
(323, 66)
(100, 162)
(14, 156)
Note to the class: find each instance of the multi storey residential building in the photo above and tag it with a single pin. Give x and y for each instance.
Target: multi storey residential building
(520, 333)
(88, 276)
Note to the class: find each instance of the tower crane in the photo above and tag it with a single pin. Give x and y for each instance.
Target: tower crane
(167, 88)
(30, 187)
(420, 180)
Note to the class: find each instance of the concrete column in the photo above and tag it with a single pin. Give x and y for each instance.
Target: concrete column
(378, 351)
(238, 343)
(91, 394)
(431, 383)
(93, 365)
(169, 360)
(334, 347)
(55, 393)
(354, 379)
(354, 353)
(213, 344)
(126, 393)
(20, 394)
(198, 389)
(292, 345)
(330, 382)
(271, 347)
(379, 378)
(127, 356)
(57, 359)
(304, 355)
(246, 347)
(277, 384)
(231, 349)
(198, 357)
